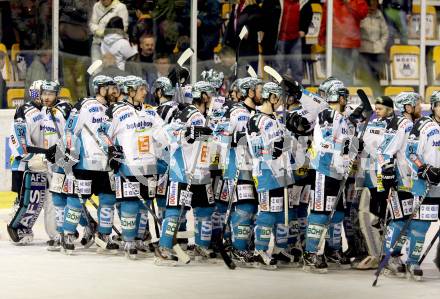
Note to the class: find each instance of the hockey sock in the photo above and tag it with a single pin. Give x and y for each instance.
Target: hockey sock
(106, 212)
(263, 229)
(72, 215)
(129, 212)
(218, 218)
(393, 231)
(241, 220)
(335, 231)
(302, 221)
(59, 201)
(161, 205)
(203, 226)
(416, 234)
(169, 225)
(142, 221)
(293, 226)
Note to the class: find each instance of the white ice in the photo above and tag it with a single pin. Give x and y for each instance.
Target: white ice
(33, 272)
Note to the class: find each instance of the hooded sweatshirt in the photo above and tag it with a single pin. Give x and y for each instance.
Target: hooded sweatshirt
(116, 44)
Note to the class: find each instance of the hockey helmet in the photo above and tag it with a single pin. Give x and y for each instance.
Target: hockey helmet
(165, 84)
(200, 87)
(271, 88)
(213, 77)
(119, 82)
(435, 98)
(50, 86)
(406, 98)
(102, 81)
(335, 90)
(325, 85)
(248, 83)
(34, 89)
(133, 82)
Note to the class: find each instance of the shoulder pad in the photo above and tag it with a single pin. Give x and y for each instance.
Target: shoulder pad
(186, 113)
(419, 124)
(253, 123)
(20, 112)
(64, 107)
(326, 115)
(112, 109)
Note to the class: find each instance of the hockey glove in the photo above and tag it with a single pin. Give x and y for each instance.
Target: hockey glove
(194, 132)
(297, 124)
(429, 173)
(50, 153)
(388, 176)
(292, 87)
(277, 149)
(116, 154)
(236, 138)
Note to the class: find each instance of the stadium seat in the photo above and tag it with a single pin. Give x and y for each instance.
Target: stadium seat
(429, 91)
(404, 65)
(414, 23)
(318, 58)
(392, 91)
(312, 89)
(7, 68)
(226, 10)
(15, 97)
(436, 65)
(354, 98)
(65, 94)
(315, 25)
(14, 51)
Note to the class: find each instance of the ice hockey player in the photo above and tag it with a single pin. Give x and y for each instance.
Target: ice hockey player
(235, 157)
(55, 113)
(423, 155)
(29, 180)
(435, 98)
(120, 95)
(189, 164)
(91, 173)
(272, 172)
(329, 139)
(373, 200)
(395, 173)
(137, 137)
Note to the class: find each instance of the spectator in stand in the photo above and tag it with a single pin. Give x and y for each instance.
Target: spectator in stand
(147, 47)
(116, 43)
(144, 24)
(40, 68)
(397, 14)
(245, 12)
(7, 36)
(25, 24)
(374, 38)
(295, 22)
(226, 66)
(208, 28)
(172, 19)
(347, 18)
(109, 68)
(103, 11)
(75, 44)
(271, 10)
(161, 68)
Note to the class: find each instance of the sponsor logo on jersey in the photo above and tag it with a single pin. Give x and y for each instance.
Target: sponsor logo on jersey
(94, 109)
(139, 125)
(436, 143)
(125, 116)
(97, 120)
(37, 118)
(432, 133)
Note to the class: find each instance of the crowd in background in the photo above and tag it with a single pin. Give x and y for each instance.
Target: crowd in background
(145, 37)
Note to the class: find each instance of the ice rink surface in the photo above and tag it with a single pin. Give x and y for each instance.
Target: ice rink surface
(33, 272)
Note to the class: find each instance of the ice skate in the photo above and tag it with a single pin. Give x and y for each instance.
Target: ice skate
(88, 238)
(413, 272)
(54, 245)
(130, 249)
(164, 257)
(105, 244)
(395, 267)
(143, 248)
(285, 259)
(67, 246)
(314, 263)
(262, 260)
(203, 254)
(242, 258)
(337, 259)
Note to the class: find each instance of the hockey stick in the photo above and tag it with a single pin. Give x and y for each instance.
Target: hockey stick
(252, 72)
(279, 79)
(94, 67)
(244, 31)
(416, 208)
(422, 258)
(110, 143)
(352, 154)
